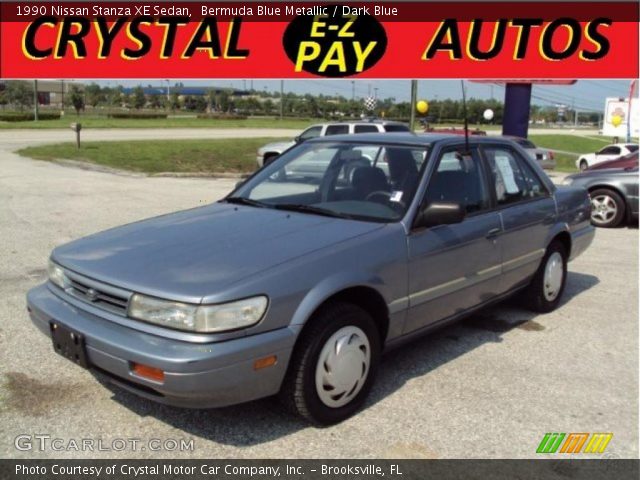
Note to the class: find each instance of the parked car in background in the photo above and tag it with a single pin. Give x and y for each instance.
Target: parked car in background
(269, 152)
(626, 161)
(610, 152)
(613, 192)
(543, 156)
(294, 285)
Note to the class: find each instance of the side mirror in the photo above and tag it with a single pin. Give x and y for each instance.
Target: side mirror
(440, 213)
(298, 139)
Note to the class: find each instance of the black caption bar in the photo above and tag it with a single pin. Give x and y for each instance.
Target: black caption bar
(547, 468)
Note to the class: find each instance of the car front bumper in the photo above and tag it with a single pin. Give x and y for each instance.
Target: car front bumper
(195, 375)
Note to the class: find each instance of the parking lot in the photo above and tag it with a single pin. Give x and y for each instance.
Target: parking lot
(489, 387)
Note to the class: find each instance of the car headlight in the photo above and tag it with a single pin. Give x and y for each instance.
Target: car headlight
(57, 275)
(198, 318)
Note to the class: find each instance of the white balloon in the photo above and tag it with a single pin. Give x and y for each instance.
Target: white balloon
(488, 114)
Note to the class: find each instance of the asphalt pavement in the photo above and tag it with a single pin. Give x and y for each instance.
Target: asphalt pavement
(488, 387)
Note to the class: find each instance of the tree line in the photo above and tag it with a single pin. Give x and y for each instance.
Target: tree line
(19, 95)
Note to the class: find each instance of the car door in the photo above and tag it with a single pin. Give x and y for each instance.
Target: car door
(527, 212)
(454, 267)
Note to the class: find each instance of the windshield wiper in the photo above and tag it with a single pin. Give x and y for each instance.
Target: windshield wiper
(244, 201)
(311, 209)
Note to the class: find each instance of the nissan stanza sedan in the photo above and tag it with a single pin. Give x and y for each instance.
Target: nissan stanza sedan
(295, 284)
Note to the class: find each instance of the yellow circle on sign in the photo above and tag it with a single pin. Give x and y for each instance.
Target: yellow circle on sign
(422, 106)
(616, 120)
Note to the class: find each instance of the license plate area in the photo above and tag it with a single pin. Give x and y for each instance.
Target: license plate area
(69, 344)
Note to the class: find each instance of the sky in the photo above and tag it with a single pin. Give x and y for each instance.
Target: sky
(584, 95)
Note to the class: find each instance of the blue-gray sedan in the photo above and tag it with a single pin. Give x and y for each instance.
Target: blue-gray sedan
(297, 281)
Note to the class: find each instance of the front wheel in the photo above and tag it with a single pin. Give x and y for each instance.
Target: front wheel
(583, 165)
(607, 208)
(333, 365)
(545, 290)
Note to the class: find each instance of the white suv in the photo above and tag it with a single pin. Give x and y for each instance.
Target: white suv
(269, 152)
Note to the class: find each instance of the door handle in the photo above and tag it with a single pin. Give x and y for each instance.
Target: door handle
(493, 233)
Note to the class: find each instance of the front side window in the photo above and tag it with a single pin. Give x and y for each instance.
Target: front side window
(311, 132)
(362, 181)
(459, 179)
(610, 151)
(514, 180)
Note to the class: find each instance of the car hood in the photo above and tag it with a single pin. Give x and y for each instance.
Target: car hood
(595, 173)
(188, 255)
(277, 146)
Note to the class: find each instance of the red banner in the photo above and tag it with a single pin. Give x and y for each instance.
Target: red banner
(301, 40)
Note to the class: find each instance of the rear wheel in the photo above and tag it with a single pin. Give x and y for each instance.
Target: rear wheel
(333, 365)
(583, 165)
(607, 208)
(268, 158)
(545, 290)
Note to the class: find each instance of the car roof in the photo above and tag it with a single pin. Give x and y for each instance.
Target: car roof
(377, 121)
(408, 138)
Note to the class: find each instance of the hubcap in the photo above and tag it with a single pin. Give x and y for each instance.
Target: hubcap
(603, 209)
(553, 275)
(343, 366)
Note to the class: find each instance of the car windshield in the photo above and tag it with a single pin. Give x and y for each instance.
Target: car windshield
(632, 148)
(360, 181)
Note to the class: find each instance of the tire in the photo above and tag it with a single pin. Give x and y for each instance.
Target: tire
(304, 392)
(583, 165)
(545, 290)
(268, 158)
(607, 208)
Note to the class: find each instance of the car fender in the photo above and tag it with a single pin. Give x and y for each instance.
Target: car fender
(331, 286)
(555, 230)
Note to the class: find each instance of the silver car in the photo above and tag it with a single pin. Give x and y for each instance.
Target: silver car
(294, 284)
(543, 156)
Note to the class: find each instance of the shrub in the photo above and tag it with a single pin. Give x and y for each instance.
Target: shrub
(27, 116)
(138, 115)
(221, 116)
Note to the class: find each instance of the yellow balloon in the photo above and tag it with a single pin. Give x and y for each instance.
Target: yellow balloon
(422, 106)
(616, 120)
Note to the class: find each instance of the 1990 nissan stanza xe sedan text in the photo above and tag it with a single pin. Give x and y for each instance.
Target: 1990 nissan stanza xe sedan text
(297, 281)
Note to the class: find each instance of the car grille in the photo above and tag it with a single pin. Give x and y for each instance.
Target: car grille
(98, 297)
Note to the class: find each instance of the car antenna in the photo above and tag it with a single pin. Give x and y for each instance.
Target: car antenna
(466, 120)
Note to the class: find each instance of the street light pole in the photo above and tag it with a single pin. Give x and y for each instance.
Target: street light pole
(414, 98)
(35, 100)
(281, 99)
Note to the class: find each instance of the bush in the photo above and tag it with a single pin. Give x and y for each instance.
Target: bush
(27, 116)
(221, 116)
(138, 115)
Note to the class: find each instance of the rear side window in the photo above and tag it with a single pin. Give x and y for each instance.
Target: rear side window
(514, 180)
(459, 179)
(337, 129)
(365, 129)
(396, 128)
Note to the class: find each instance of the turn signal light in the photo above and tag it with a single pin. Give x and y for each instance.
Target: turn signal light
(151, 373)
(265, 362)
